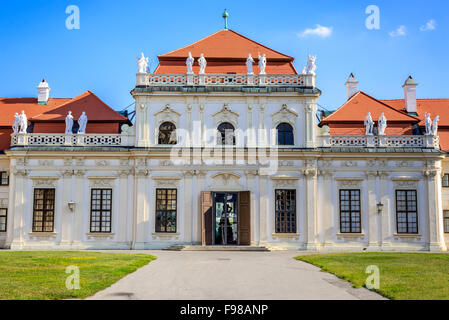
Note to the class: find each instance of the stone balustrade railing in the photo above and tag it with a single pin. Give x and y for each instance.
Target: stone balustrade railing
(71, 140)
(280, 80)
(402, 141)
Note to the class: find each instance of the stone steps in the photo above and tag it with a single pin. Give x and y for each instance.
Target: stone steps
(217, 248)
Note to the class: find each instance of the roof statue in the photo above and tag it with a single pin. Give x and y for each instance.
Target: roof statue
(428, 123)
(189, 62)
(225, 17)
(203, 63)
(15, 125)
(82, 122)
(435, 126)
(262, 63)
(382, 124)
(249, 64)
(311, 66)
(69, 123)
(142, 63)
(23, 122)
(369, 124)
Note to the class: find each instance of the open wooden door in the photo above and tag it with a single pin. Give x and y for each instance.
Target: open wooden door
(244, 218)
(206, 218)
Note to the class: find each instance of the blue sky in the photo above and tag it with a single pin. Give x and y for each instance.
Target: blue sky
(100, 56)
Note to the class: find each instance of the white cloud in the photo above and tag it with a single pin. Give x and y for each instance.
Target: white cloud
(319, 31)
(399, 32)
(429, 26)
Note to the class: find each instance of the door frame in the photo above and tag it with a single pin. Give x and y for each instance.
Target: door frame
(214, 218)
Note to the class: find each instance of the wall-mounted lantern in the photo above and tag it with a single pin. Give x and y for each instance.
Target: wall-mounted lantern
(380, 207)
(71, 205)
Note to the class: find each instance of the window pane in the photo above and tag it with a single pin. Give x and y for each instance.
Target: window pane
(101, 210)
(406, 211)
(285, 207)
(166, 208)
(350, 216)
(43, 211)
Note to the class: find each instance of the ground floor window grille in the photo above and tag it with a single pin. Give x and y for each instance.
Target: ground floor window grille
(350, 217)
(406, 211)
(166, 206)
(3, 219)
(285, 211)
(101, 210)
(44, 210)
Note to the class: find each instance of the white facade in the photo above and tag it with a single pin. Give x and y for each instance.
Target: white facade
(134, 165)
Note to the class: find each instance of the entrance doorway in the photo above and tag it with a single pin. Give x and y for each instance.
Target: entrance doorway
(225, 218)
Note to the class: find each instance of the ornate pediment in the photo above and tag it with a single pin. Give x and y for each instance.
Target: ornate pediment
(226, 115)
(285, 115)
(167, 114)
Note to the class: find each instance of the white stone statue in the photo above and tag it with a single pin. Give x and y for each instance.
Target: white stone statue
(189, 62)
(304, 70)
(428, 122)
(23, 122)
(69, 123)
(82, 122)
(369, 124)
(249, 64)
(142, 63)
(203, 63)
(435, 126)
(311, 66)
(262, 63)
(382, 124)
(15, 125)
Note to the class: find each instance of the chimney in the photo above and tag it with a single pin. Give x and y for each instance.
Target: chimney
(43, 92)
(410, 95)
(351, 86)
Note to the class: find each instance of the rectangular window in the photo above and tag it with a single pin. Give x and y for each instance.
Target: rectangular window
(350, 217)
(100, 210)
(4, 179)
(3, 219)
(406, 211)
(285, 211)
(166, 206)
(445, 181)
(44, 210)
(446, 221)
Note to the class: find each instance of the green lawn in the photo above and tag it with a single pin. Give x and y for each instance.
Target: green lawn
(42, 274)
(403, 276)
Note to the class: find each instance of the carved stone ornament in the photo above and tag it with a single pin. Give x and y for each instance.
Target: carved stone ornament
(285, 115)
(166, 182)
(45, 163)
(165, 163)
(404, 164)
(406, 184)
(4, 203)
(102, 182)
(226, 182)
(226, 115)
(101, 163)
(285, 181)
(349, 183)
(44, 182)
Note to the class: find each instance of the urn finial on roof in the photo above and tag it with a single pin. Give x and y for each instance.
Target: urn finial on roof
(225, 17)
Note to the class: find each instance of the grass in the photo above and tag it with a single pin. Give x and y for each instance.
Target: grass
(403, 276)
(41, 275)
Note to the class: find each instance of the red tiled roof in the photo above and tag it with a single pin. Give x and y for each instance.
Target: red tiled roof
(96, 110)
(357, 108)
(435, 107)
(57, 109)
(226, 52)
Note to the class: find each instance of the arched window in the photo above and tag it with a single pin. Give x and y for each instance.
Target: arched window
(167, 133)
(285, 134)
(226, 134)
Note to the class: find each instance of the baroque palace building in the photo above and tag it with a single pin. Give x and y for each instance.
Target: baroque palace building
(226, 149)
